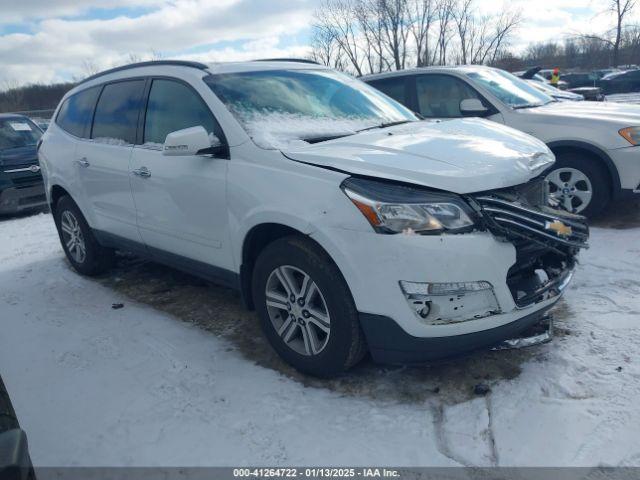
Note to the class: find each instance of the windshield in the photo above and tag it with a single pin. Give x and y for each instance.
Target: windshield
(279, 108)
(510, 89)
(545, 87)
(18, 132)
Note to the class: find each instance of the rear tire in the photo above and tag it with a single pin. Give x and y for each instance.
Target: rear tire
(318, 333)
(580, 183)
(82, 249)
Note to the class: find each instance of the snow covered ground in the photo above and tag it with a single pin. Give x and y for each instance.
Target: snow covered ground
(624, 98)
(181, 375)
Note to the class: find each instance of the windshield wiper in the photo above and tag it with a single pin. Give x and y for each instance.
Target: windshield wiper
(385, 125)
(324, 138)
(529, 105)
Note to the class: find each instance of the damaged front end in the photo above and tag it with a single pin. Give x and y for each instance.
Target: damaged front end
(546, 239)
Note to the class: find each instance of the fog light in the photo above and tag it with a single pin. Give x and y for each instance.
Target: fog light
(453, 288)
(442, 303)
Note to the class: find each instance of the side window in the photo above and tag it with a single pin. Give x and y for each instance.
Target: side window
(117, 112)
(76, 112)
(174, 106)
(393, 87)
(440, 95)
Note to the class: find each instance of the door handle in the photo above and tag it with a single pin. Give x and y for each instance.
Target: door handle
(83, 162)
(142, 172)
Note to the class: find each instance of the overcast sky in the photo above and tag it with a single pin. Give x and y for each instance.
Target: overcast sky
(54, 40)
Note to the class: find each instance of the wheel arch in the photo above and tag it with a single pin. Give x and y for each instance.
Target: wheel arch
(57, 192)
(256, 239)
(595, 152)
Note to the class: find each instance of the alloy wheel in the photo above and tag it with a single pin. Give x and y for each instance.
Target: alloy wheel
(297, 310)
(570, 188)
(72, 236)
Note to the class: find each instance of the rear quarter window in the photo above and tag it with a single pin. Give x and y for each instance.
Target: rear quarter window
(75, 113)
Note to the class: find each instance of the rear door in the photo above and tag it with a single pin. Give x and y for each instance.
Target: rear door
(180, 200)
(103, 162)
(398, 88)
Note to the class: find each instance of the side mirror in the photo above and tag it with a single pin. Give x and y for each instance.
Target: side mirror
(472, 107)
(191, 141)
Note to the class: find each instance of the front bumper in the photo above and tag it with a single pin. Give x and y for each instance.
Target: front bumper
(390, 344)
(627, 162)
(374, 265)
(18, 199)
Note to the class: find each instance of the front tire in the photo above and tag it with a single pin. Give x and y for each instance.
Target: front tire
(80, 246)
(579, 183)
(306, 308)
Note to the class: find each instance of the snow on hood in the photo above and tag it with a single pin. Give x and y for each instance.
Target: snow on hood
(461, 156)
(618, 113)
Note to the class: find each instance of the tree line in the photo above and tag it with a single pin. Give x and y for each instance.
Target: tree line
(372, 36)
(15, 98)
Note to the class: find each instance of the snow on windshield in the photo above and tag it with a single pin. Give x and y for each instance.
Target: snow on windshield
(283, 131)
(283, 108)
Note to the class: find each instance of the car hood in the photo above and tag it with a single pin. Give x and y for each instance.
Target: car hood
(461, 156)
(621, 114)
(20, 156)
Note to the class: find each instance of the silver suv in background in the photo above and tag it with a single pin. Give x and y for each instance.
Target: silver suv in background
(595, 144)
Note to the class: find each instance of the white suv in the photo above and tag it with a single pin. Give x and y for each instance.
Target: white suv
(346, 222)
(595, 143)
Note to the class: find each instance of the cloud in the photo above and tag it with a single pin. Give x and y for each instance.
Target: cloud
(555, 20)
(32, 10)
(59, 47)
(64, 35)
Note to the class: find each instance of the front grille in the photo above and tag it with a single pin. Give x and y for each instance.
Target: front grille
(546, 239)
(542, 225)
(27, 180)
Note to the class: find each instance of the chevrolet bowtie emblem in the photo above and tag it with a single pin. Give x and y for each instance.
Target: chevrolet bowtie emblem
(560, 228)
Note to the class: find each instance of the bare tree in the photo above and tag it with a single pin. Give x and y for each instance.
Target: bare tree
(325, 49)
(378, 35)
(444, 15)
(620, 8)
(155, 54)
(421, 14)
(89, 67)
(395, 29)
(337, 19)
(503, 27)
(371, 27)
(12, 96)
(463, 17)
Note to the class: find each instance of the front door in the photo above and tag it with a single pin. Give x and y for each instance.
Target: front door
(180, 200)
(440, 95)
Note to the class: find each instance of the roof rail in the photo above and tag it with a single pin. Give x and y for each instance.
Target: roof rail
(297, 60)
(151, 63)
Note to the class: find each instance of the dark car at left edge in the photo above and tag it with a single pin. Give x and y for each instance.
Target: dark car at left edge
(21, 187)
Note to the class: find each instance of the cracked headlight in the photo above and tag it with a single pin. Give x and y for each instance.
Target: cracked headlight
(394, 208)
